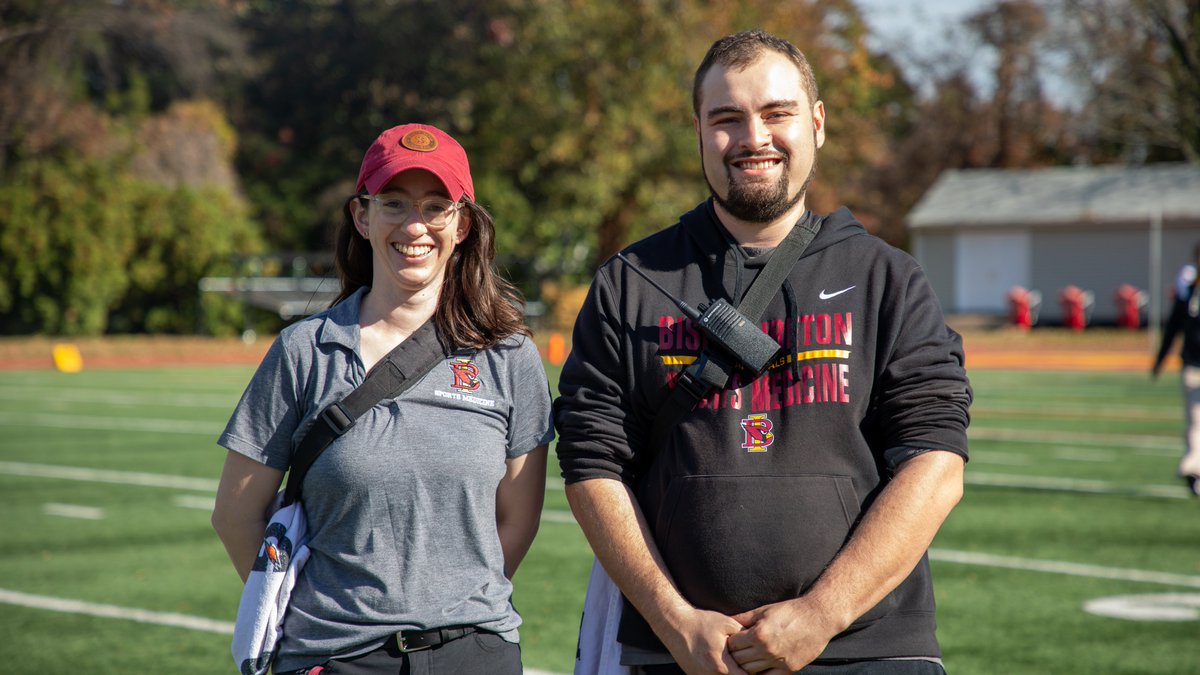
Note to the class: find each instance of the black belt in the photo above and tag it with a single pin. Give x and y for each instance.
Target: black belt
(416, 640)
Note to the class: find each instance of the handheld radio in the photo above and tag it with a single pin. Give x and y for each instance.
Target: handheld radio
(726, 328)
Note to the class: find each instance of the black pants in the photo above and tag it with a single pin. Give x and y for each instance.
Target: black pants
(890, 667)
(480, 653)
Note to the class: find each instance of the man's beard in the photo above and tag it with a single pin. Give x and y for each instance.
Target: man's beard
(756, 202)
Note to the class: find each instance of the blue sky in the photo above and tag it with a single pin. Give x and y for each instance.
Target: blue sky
(917, 17)
(919, 31)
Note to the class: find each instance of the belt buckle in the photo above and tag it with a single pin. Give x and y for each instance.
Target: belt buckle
(404, 647)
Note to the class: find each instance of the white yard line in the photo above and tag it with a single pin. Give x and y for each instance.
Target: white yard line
(114, 612)
(210, 485)
(941, 555)
(134, 477)
(56, 395)
(73, 511)
(1000, 457)
(1089, 410)
(557, 516)
(1168, 446)
(1085, 455)
(195, 502)
(1050, 483)
(107, 476)
(131, 614)
(1148, 607)
(155, 425)
(1060, 567)
(172, 482)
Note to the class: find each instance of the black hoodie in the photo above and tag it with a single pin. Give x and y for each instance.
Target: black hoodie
(1185, 318)
(760, 486)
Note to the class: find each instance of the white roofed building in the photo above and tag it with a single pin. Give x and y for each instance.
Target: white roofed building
(980, 232)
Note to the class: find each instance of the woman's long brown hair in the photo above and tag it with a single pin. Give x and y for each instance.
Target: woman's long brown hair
(477, 307)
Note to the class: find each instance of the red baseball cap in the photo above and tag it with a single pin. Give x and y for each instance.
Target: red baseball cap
(416, 146)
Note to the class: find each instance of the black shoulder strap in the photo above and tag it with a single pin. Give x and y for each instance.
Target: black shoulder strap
(396, 372)
(710, 371)
(770, 280)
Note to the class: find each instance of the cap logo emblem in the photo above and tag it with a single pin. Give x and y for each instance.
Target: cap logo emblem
(419, 140)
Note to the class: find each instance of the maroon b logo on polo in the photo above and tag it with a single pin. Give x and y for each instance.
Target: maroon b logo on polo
(466, 375)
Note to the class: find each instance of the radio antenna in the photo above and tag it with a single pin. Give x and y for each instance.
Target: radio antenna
(688, 310)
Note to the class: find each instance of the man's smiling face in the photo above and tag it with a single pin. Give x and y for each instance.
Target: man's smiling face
(758, 137)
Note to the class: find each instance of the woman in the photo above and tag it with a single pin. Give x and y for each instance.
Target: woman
(421, 512)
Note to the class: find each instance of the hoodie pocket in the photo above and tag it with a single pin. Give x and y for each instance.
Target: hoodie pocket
(734, 543)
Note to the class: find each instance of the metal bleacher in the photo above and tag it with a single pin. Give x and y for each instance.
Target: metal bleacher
(290, 296)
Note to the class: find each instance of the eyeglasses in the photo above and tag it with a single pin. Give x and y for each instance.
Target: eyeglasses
(435, 211)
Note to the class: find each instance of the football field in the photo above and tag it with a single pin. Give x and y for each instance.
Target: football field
(1074, 550)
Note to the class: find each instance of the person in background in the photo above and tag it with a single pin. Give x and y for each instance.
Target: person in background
(420, 514)
(1185, 319)
(786, 520)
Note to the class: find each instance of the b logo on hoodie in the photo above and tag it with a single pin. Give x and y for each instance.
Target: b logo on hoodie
(466, 375)
(758, 433)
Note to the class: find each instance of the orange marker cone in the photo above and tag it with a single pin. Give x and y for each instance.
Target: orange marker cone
(556, 351)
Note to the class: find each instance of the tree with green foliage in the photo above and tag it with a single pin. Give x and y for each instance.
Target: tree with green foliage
(89, 249)
(334, 74)
(126, 59)
(584, 130)
(589, 131)
(576, 115)
(65, 240)
(117, 191)
(1138, 66)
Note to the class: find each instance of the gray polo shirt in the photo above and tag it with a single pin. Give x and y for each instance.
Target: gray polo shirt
(402, 508)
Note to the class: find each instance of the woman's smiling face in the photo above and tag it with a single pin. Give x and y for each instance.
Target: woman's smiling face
(408, 252)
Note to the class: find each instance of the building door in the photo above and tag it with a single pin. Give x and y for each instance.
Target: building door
(990, 263)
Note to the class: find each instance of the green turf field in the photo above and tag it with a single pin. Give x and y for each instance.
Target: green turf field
(108, 563)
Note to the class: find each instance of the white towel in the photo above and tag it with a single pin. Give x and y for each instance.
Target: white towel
(598, 651)
(265, 598)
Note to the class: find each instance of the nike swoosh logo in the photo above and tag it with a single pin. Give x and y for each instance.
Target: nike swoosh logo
(825, 296)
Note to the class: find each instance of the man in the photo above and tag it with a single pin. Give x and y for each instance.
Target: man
(1185, 318)
(785, 521)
